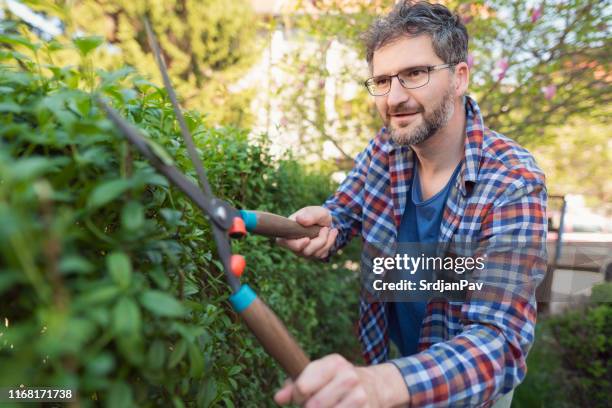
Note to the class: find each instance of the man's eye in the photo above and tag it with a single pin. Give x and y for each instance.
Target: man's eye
(381, 81)
(415, 73)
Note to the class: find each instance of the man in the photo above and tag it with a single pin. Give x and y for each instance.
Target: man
(433, 173)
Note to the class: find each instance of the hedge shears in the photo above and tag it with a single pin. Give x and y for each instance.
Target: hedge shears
(227, 222)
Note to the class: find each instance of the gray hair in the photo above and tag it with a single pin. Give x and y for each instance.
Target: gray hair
(448, 34)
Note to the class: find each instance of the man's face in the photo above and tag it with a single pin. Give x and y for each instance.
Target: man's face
(413, 115)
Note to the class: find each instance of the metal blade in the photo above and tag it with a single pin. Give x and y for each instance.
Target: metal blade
(209, 206)
(191, 149)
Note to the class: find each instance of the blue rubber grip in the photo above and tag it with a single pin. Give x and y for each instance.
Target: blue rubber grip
(242, 299)
(250, 219)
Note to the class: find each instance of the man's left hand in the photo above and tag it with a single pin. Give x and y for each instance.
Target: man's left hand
(334, 382)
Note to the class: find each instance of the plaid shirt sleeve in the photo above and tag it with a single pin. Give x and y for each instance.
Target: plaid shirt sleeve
(346, 203)
(487, 359)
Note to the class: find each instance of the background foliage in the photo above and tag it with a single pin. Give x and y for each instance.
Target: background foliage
(108, 277)
(207, 44)
(569, 365)
(540, 71)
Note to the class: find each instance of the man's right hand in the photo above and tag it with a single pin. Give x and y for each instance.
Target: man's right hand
(312, 247)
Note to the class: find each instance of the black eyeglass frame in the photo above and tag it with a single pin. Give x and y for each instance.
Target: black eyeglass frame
(428, 67)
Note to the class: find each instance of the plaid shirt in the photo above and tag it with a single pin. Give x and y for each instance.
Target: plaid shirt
(470, 352)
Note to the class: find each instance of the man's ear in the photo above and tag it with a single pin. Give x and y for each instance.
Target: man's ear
(462, 78)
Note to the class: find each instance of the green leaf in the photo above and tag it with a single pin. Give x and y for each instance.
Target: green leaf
(10, 107)
(157, 355)
(234, 370)
(161, 304)
(16, 78)
(176, 401)
(151, 177)
(95, 155)
(120, 268)
(132, 216)
(178, 353)
(120, 396)
(101, 364)
(58, 104)
(190, 288)
(88, 44)
(75, 264)
(99, 315)
(160, 152)
(8, 278)
(107, 191)
(160, 278)
(126, 317)
(78, 332)
(14, 40)
(131, 349)
(113, 76)
(172, 217)
(32, 167)
(54, 45)
(228, 402)
(102, 294)
(129, 95)
(207, 393)
(196, 359)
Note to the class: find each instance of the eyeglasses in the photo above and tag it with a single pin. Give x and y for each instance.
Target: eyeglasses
(409, 78)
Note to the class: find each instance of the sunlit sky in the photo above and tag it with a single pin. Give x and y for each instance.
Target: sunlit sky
(51, 27)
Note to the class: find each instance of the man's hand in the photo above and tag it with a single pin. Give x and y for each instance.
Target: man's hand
(316, 247)
(334, 382)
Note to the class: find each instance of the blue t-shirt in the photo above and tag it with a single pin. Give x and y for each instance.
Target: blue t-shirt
(420, 224)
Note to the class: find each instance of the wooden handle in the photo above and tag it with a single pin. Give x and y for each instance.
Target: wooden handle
(272, 225)
(274, 337)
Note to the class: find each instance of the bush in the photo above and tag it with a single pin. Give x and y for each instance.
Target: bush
(109, 279)
(583, 340)
(569, 365)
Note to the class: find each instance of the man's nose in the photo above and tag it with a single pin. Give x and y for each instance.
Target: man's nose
(397, 94)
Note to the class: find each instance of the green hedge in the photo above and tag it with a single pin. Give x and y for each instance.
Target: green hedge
(108, 276)
(583, 339)
(570, 363)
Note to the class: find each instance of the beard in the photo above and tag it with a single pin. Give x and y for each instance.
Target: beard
(433, 121)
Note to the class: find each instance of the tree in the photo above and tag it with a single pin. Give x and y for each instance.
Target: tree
(533, 68)
(580, 162)
(207, 44)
